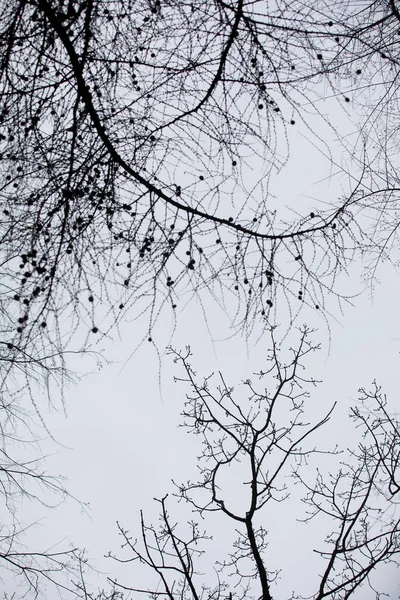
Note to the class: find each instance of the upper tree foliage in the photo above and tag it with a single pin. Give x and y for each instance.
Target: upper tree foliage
(138, 140)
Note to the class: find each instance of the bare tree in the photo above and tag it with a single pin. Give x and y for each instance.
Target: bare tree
(34, 572)
(26, 379)
(137, 153)
(264, 437)
(137, 144)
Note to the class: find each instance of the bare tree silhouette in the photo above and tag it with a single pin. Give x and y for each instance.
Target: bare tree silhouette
(137, 152)
(41, 571)
(138, 141)
(265, 437)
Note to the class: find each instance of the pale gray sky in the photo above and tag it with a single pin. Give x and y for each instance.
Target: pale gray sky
(126, 446)
(120, 444)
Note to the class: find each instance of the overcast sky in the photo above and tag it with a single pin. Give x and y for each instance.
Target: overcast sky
(125, 445)
(120, 445)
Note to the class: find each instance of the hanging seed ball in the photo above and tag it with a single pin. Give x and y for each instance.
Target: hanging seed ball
(95, 329)
(90, 298)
